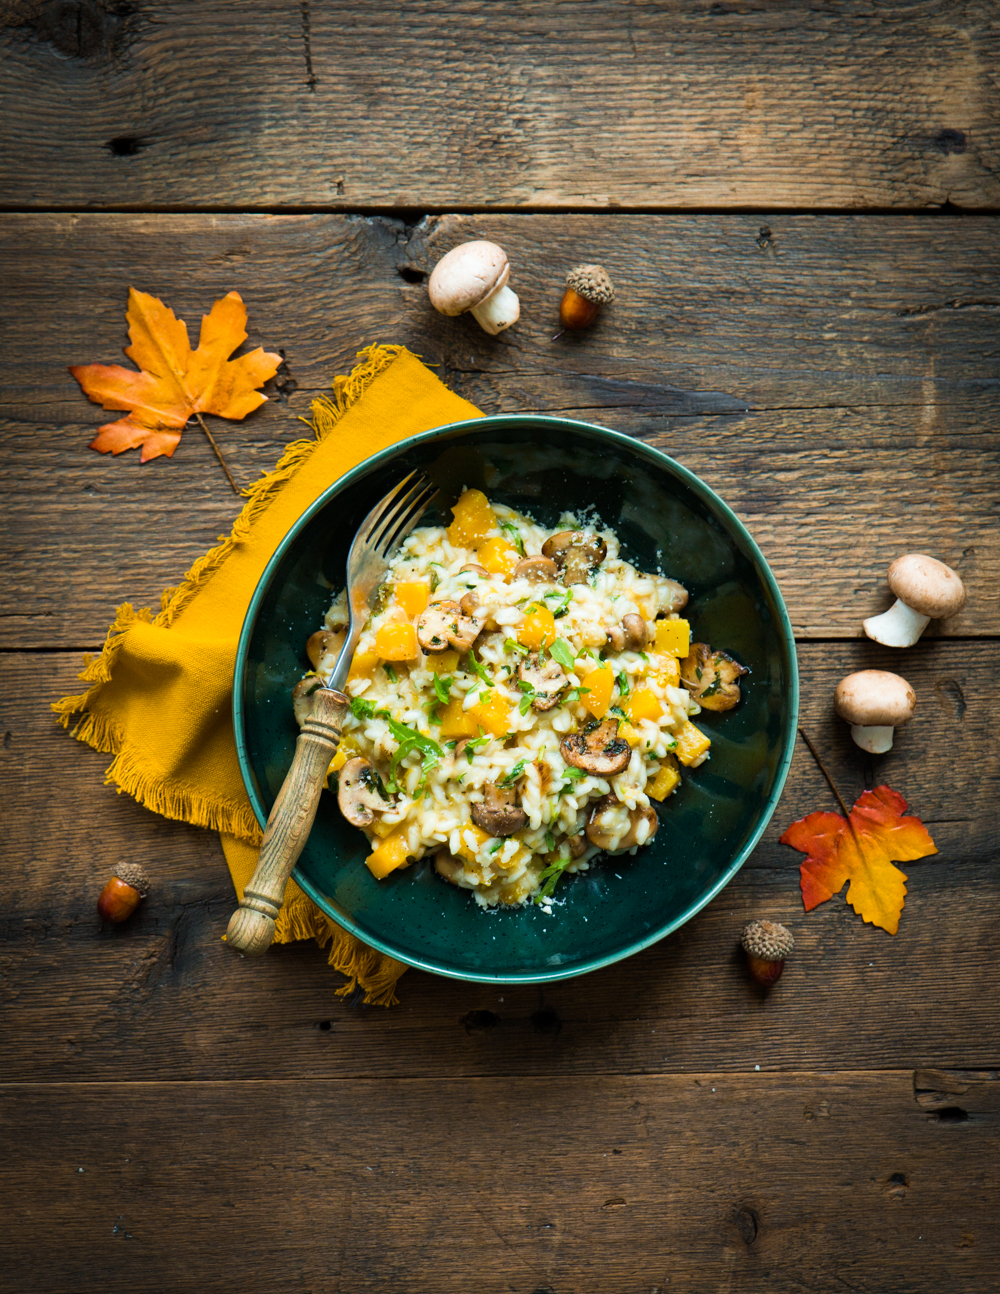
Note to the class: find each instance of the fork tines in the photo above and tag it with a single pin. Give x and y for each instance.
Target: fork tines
(403, 514)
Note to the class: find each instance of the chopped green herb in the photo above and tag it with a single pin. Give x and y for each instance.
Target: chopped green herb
(474, 743)
(524, 705)
(442, 688)
(511, 644)
(393, 676)
(512, 533)
(714, 686)
(644, 657)
(561, 599)
(550, 841)
(362, 709)
(562, 652)
(623, 686)
(510, 778)
(616, 709)
(409, 740)
(574, 694)
(479, 669)
(551, 877)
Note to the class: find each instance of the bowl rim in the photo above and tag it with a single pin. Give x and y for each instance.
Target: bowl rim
(660, 460)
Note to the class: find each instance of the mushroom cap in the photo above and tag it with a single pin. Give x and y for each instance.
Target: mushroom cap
(874, 698)
(769, 940)
(132, 874)
(467, 275)
(592, 283)
(927, 585)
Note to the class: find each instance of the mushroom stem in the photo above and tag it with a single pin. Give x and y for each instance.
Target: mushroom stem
(498, 311)
(876, 739)
(900, 626)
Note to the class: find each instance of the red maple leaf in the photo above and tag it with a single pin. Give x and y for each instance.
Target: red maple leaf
(861, 850)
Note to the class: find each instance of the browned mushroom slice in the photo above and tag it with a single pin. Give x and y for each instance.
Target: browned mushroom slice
(635, 631)
(538, 569)
(577, 553)
(577, 845)
(616, 638)
(320, 643)
(712, 677)
(475, 569)
(597, 750)
(670, 596)
(613, 827)
(499, 813)
(448, 866)
(358, 794)
(302, 693)
(443, 625)
(546, 677)
(469, 603)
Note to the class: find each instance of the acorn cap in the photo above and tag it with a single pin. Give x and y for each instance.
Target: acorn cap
(926, 585)
(592, 283)
(874, 698)
(132, 874)
(768, 940)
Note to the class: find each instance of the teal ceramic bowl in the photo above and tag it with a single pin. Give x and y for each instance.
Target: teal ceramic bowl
(665, 518)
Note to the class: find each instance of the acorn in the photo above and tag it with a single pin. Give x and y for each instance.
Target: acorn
(587, 289)
(122, 894)
(766, 944)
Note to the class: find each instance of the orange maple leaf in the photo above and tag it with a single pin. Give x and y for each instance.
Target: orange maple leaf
(175, 382)
(860, 851)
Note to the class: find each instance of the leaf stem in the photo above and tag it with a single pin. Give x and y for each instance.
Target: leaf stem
(823, 769)
(222, 461)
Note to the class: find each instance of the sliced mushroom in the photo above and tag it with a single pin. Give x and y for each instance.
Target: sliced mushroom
(443, 625)
(635, 631)
(577, 553)
(358, 794)
(546, 677)
(499, 813)
(712, 677)
(577, 845)
(469, 603)
(318, 644)
(475, 569)
(615, 828)
(597, 750)
(302, 692)
(538, 569)
(670, 596)
(448, 866)
(616, 638)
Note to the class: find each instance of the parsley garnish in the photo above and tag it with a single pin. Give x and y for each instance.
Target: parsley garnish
(514, 774)
(479, 669)
(473, 744)
(563, 600)
(511, 531)
(562, 652)
(623, 686)
(362, 709)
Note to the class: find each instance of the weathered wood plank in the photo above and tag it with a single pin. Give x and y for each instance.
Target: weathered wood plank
(161, 996)
(765, 376)
(515, 104)
(708, 1181)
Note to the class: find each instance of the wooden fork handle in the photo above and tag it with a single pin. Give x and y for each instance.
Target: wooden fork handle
(251, 927)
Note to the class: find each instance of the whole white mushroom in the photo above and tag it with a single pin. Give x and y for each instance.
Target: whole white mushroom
(925, 590)
(473, 276)
(875, 703)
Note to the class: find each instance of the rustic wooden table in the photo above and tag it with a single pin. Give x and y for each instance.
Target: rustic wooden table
(799, 205)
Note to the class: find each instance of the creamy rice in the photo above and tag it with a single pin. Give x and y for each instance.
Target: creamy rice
(429, 705)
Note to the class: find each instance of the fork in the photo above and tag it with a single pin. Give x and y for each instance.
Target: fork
(251, 927)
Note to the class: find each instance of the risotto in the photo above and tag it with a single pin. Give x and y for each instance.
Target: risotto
(521, 699)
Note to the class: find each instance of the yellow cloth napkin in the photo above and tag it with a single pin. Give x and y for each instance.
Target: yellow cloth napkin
(160, 697)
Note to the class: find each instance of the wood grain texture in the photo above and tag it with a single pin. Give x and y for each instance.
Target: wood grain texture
(162, 997)
(778, 1182)
(835, 381)
(527, 103)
